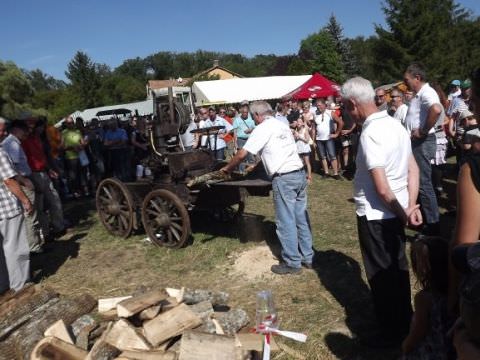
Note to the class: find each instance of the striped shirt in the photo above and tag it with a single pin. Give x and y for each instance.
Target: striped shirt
(9, 204)
(13, 148)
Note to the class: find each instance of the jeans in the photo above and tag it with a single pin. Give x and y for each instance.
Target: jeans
(424, 151)
(326, 148)
(291, 217)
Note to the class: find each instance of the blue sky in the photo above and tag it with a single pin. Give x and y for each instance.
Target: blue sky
(45, 34)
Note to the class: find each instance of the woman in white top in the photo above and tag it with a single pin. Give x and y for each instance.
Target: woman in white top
(302, 139)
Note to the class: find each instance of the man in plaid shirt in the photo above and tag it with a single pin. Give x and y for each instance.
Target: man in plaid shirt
(15, 260)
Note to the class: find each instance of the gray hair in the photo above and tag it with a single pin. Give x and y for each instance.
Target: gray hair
(3, 120)
(261, 108)
(359, 89)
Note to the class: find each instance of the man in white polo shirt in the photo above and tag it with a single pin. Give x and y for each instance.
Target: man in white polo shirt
(274, 142)
(422, 115)
(385, 192)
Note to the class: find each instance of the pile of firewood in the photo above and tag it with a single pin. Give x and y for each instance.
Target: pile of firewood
(180, 324)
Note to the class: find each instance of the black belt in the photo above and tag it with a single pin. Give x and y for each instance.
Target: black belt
(290, 172)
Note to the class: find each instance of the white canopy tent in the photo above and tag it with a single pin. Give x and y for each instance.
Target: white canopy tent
(239, 89)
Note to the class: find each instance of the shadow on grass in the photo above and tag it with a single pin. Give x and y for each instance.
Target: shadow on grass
(46, 264)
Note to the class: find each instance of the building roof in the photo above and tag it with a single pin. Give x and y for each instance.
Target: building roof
(215, 67)
(161, 84)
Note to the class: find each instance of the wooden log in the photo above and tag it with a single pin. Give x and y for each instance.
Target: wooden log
(254, 342)
(203, 309)
(195, 296)
(150, 313)
(107, 304)
(199, 346)
(12, 299)
(54, 348)
(102, 350)
(59, 330)
(82, 339)
(125, 337)
(230, 322)
(176, 293)
(18, 311)
(134, 305)
(169, 303)
(170, 323)
(82, 322)
(28, 335)
(149, 355)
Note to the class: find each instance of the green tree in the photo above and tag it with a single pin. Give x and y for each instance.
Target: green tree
(362, 51)
(318, 53)
(342, 46)
(83, 75)
(41, 81)
(15, 90)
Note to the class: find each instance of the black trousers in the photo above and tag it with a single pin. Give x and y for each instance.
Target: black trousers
(382, 243)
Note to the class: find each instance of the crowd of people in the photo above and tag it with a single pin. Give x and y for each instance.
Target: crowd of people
(395, 141)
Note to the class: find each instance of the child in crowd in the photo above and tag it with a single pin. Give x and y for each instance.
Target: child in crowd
(427, 336)
(303, 139)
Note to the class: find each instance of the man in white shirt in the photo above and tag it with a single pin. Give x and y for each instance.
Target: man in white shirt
(400, 107)
(422, 115)
(385, 192)
(274, 143)
(216, 142)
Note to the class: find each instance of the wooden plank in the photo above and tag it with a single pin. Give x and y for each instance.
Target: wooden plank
(134, 305)
(125, 337)
(169, 303)
(54, 348)
(59, 330)
(252, 341)
(176, 293)
(199, 346)
(150, 313)
(170, 323)
(149, 355)
(107, 304)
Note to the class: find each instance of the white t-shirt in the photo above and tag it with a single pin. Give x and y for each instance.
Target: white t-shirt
(274, 142)
(218, 122)
(325, 125)
(418, 108)
(384, 143)
(401, 113)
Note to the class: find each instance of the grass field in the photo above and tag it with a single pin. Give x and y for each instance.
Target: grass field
(331, 303)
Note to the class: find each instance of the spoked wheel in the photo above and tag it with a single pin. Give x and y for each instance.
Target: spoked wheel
(115, 207)
(165, 219)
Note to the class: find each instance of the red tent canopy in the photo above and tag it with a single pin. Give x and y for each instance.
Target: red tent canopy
(317, 86)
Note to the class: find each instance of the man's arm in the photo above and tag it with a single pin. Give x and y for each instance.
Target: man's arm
(339, 128)
(433, 113)
(13, 186)
(413, 181)
(236, 160)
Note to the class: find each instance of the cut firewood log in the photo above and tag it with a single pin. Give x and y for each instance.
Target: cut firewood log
(169, 303)
(203, 309)
(254, 342)
(28, 335)
(82, 322)
(134, 305)
(148, 355)
(176, 293)
(60, 331)
(170, 323)
(13, 299)
(150, 313)
(199, 346)
(125, 337)
(102, 350)
(54, 348)
(19, 311)
(195, 296)
(82, 339)
(105, 305)
(231, 322)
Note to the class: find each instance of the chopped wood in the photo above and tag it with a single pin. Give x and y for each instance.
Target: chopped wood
(254, 342)
(80, 323)
(169, 303)
(54, 348)
(176, 293)
(19, 310)
(60, 331)
(170, 323)
(199, 346)
(195, 296)
(203, 309)
(231, 322)
(102, 350)
(83, 338)
(218, 328)
(12, 299)
(107, 304)
(28, 335)
(149, 355)
(150, 313)
(125, 337)
(134, 305)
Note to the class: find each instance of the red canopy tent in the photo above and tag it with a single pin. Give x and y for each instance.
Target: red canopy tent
(317, 86)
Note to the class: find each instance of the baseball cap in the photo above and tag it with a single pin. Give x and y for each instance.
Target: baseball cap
(466, 84)
(455, 82)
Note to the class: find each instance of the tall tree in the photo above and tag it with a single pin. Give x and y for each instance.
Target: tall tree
(342, 46)
(318, 53)
(15, 90)
(82, 72)
(417, 30)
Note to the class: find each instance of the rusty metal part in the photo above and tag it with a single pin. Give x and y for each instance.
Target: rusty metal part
(165, 219)
(115, 207)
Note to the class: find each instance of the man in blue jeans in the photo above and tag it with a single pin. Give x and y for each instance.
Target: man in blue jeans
(274, 143)
(422, 114)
